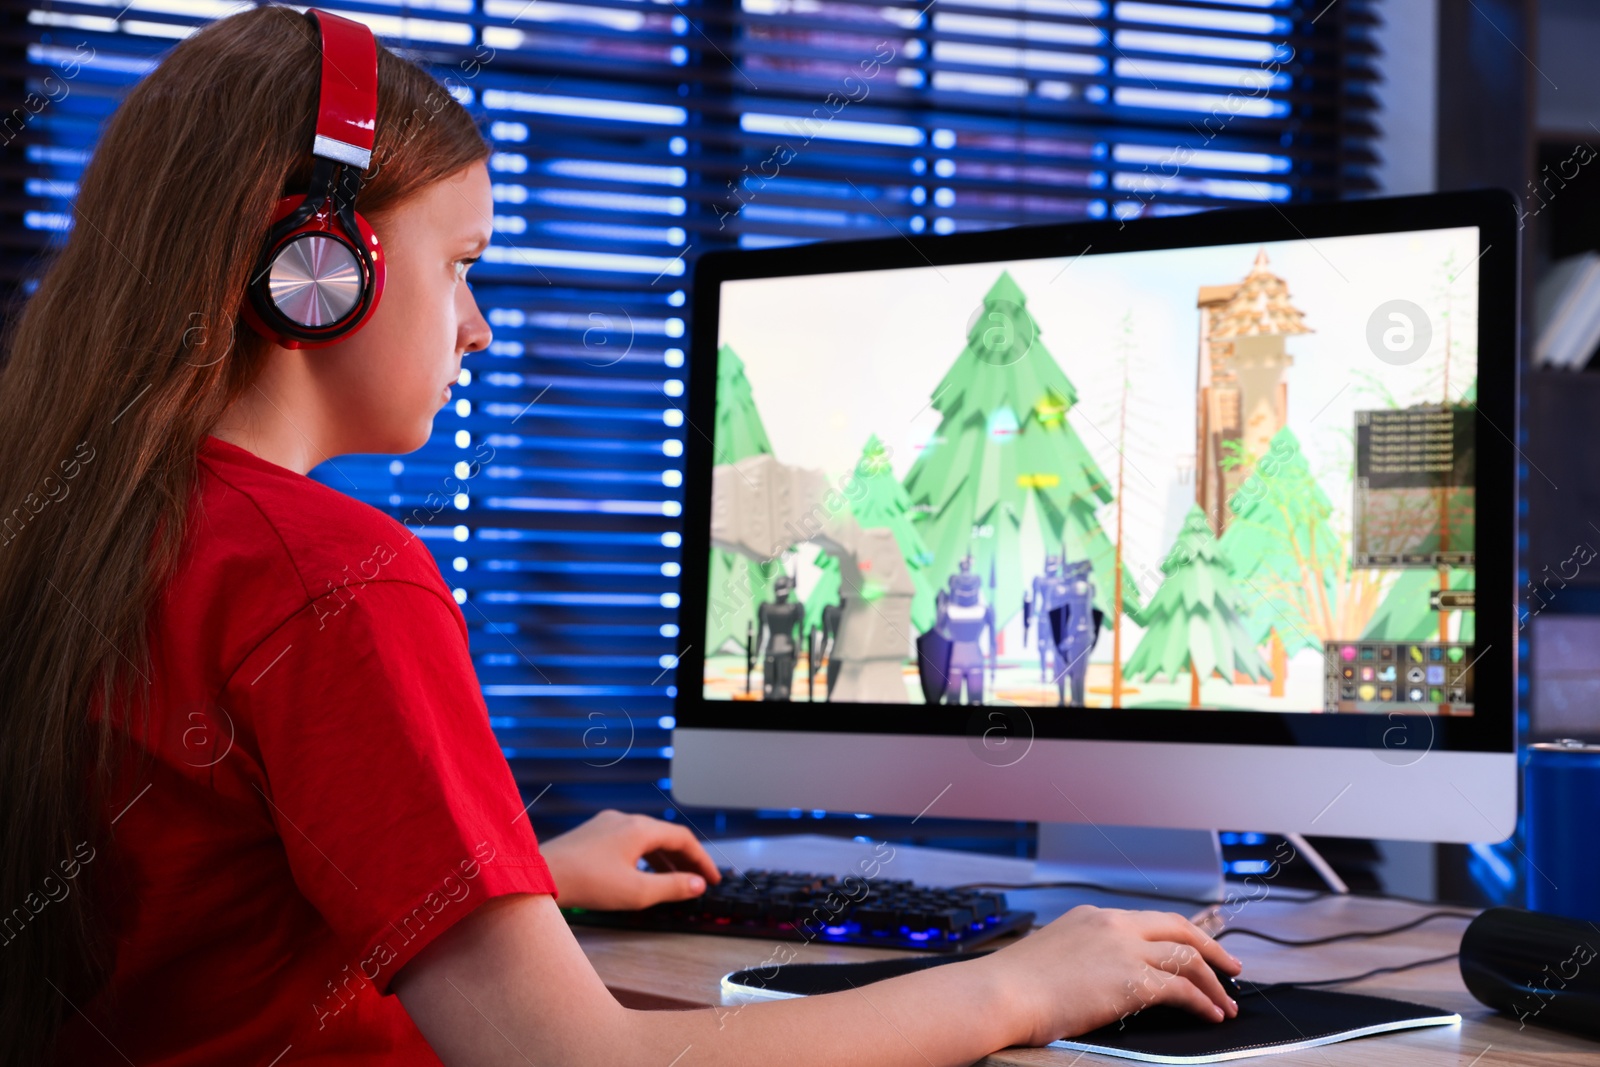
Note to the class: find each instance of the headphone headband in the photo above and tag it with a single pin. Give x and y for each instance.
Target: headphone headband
(347, 100)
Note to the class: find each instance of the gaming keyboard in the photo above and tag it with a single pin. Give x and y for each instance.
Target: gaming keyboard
(790, 906)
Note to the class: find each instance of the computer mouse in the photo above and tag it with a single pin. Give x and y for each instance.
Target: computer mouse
(1229, 986)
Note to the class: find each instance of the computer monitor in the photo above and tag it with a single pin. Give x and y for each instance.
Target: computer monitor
(1202, 521)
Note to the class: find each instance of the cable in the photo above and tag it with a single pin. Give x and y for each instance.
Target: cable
(1310, 895)
(1354, 935)
(1369, 974)
(1010, 886)
(1321, 894)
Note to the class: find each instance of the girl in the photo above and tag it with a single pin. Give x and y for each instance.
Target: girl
(254, 810)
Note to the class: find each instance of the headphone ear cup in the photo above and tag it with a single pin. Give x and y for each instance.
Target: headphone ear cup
(368, 240)
(316, 283)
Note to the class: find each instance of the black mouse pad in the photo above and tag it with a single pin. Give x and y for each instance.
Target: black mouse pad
(1272, 1018)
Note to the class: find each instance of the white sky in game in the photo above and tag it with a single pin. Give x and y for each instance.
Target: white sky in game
(835, 358)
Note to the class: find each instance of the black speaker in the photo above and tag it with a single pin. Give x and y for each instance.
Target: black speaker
(1538, 968)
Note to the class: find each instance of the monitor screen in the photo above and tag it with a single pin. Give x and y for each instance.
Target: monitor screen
(1234, 476)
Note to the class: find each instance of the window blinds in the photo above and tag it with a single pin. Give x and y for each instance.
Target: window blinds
(631, 136)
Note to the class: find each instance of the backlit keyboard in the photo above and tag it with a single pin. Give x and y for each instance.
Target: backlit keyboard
(790, 906)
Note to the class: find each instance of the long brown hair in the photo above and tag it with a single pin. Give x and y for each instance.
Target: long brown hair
(115, 370)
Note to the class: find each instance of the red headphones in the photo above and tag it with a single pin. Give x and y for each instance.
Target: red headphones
(320, 272)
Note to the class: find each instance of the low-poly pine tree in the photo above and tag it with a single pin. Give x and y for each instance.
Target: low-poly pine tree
(879, 502)
(1004, 436)
(738, 584)
(1285, 553)
(1193, 624)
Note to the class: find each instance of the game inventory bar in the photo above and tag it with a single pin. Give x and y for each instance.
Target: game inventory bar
(1422, 677)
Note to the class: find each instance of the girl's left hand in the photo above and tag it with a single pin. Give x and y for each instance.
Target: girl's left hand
(596, 865)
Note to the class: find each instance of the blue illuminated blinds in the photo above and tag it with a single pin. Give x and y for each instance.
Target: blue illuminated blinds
(632, 136)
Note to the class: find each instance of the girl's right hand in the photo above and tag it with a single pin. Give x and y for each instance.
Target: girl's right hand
(1093, 966)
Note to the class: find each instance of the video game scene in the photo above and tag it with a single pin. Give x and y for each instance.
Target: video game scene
(1234, 477)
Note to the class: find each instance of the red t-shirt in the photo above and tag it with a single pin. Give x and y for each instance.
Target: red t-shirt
(317, 797)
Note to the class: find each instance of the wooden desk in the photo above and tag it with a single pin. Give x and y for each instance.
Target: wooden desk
(684, 970)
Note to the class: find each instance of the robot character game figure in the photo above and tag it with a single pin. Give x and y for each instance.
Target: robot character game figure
(830, 634)
(779, 619)
(1074, 625)
(1049, 591)
(963, 617)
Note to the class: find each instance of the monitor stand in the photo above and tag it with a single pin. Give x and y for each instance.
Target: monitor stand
(1141, 859)
(1176, 863)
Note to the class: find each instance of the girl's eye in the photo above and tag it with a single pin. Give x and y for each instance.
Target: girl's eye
(462, 265)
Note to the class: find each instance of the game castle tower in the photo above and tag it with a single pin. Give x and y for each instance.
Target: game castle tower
(1243, 398)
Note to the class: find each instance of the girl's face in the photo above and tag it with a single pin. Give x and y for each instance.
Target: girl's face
(384, 385)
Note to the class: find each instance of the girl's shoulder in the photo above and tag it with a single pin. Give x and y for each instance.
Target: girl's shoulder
(277, 540)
